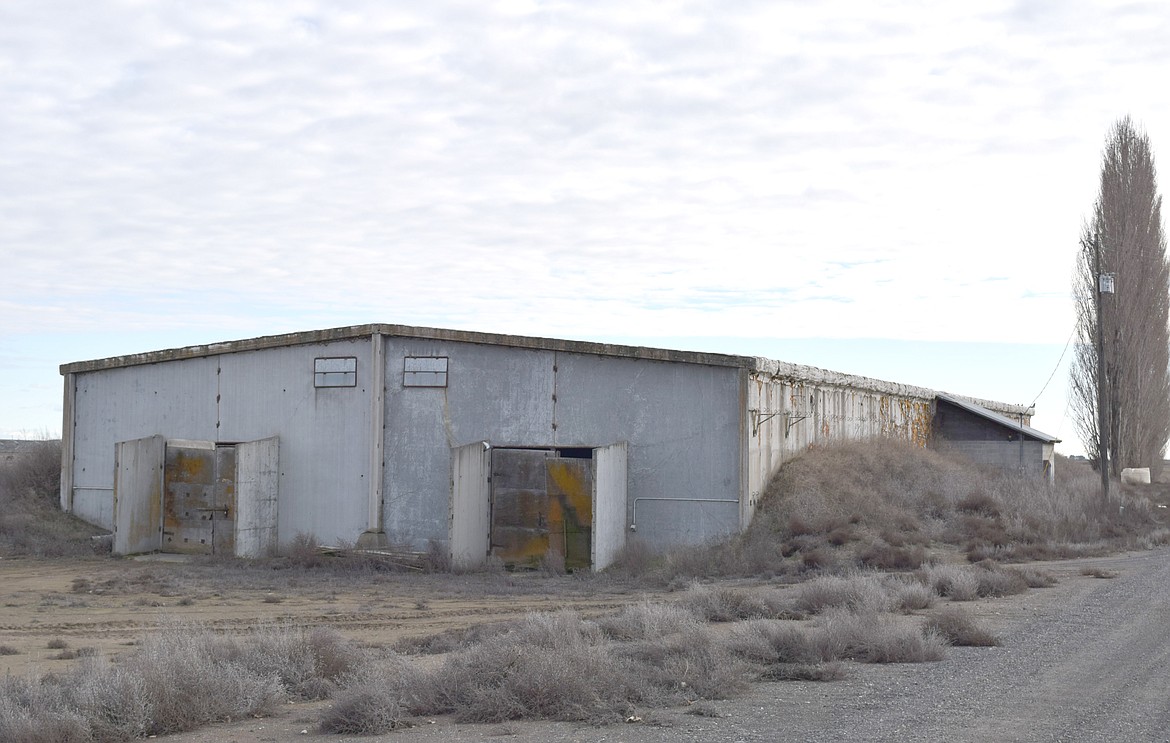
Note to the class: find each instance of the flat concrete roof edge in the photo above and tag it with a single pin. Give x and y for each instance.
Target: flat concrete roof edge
(407, 331)
(759, 365)
(816, 375)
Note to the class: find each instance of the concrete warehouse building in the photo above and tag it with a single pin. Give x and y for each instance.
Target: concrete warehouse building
(486, 444)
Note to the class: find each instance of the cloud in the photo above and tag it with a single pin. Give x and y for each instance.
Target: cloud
(561, 167)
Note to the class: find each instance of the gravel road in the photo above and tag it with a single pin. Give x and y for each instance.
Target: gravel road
(1088, 660)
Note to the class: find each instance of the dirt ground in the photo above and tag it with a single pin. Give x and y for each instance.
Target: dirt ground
(103, 606)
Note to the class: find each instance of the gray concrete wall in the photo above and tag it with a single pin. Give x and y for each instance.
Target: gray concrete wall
(680, 421)
(235, 397)
(176, 400)
(1003, 455)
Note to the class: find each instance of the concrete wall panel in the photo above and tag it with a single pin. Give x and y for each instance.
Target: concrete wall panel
(176, 400)
(681, 425)
(497, 394)
(324, 432)
(232, 398)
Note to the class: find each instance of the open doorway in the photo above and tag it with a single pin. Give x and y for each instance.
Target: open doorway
(527, 505)
(196, 497)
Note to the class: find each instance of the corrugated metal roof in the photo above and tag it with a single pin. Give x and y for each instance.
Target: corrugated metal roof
(1002, 420)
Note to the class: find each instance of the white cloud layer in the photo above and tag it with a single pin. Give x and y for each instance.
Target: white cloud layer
(902, 170)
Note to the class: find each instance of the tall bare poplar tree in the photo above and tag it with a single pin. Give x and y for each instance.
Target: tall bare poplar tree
(1123, 237)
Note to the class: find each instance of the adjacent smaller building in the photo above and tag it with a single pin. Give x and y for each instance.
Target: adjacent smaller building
(993, 439)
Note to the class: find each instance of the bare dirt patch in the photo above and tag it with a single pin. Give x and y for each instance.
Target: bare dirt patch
(108, 605)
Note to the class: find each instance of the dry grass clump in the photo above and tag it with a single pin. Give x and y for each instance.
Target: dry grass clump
(956, 582)
(307, 663)
(178, 680)
(833, 670)
(561, 667)
(719, 604)
(1098, 572)
(768, 641)
(957, 628)
(855, 592)
(876, 638)
(985, 579)
(375, 700)
(646, 620)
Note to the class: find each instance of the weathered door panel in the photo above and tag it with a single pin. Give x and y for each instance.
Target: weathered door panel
(223, 509)
(570, 510)
(138, 484)
(257, 485)
(469, 510)
(519, 505)
(609, 503)
(541, 506)
(189, 500)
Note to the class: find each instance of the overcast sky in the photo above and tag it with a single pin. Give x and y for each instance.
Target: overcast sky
(893, 189)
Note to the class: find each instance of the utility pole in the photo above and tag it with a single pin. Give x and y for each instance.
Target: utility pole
(1104, 417)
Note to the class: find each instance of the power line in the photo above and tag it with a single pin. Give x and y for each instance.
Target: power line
(1054, 369)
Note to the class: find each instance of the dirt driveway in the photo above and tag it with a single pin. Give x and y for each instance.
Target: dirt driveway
(1086, 660)
(103, 606)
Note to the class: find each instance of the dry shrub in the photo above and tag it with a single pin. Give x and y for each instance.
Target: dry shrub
(35, 712)
(375, 700)
(1096, 572)
(191, 679)
(635, 558)
(858, 592)
(876, 638)
(886, 557)
(299, 658)
(996, 581)
(450, 640)
(112, 700)
(510, 682)
(718, 604)
(768, 641)
(689, 665)
(956, 582)
(303, 551)
(909, 594)
(833, 670)
(35, 473)
(647, 620)
(1035, 577)
(31, 521)
(957, 628)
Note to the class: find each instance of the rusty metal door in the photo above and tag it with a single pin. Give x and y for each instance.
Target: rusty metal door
(469, 508)
(138, 484)
(542, 506)
(199, 498)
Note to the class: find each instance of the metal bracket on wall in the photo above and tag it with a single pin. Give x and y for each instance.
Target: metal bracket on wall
(758, 418)
(791, 420)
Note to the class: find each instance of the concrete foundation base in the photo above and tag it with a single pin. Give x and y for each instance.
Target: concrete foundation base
(372, 540)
